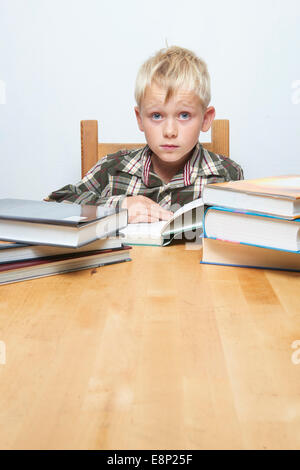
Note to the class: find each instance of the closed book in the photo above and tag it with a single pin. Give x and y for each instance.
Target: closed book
(35, 268)
(10, 252)
(58, 224)
(252, 228)
(225, 253)
(186, 220)
(277, 195)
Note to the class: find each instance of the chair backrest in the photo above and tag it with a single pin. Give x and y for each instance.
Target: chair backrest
(92, 150)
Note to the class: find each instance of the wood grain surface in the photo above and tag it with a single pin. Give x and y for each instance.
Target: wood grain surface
(157, 353)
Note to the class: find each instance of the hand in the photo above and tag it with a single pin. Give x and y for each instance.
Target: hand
(143, 209)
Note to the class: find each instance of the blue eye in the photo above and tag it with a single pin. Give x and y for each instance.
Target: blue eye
(185, 115)
(156, 116)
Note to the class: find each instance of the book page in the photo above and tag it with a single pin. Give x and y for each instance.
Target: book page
(187, 216)
(142, 230)
(188, 206)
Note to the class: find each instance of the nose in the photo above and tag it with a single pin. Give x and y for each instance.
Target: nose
(170, 128)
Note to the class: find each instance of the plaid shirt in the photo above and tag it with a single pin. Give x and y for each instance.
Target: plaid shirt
(130, 173)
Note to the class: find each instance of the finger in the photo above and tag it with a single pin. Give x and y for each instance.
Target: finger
(165, 215)
(158, 212)
(161, 210)
(143, 218)
(143, 210)
(154, 210)
(162, 214)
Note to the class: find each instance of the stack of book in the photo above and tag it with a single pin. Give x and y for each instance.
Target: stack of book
(253, 223)
(47, 238)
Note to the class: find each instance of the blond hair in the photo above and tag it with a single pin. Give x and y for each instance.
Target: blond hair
(173, 68)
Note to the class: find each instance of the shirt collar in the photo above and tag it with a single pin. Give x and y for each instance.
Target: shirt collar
(133, 161)
(138, 163)
(201, 164)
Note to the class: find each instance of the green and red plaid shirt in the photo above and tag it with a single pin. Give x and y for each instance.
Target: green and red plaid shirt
(130, 173)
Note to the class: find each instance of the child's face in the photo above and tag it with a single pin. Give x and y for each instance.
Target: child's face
(172, 129)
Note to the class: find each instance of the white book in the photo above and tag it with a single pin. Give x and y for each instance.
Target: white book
(252, 228)
(276, 195)
(35, 268)
(10, 252)
(58, 224)
(226, 253)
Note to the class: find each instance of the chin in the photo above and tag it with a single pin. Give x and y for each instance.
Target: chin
(171, 157)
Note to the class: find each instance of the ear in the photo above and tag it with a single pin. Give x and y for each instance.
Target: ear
(139, 118)
(208, 118)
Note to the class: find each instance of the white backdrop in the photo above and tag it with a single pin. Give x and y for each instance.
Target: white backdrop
(66, 60)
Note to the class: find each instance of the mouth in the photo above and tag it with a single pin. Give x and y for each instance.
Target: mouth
(169, 146)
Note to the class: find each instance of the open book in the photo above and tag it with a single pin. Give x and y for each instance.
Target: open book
(188, 220)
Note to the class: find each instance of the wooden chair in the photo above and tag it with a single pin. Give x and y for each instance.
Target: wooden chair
(92, 150)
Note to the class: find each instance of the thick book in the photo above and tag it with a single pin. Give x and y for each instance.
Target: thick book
(186, 220)
(58, 224)
(252, 228)
(225, 253)
(11, 251)
(35, 268)
(277, 195)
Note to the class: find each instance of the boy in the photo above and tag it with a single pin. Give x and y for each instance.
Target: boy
(172, 94)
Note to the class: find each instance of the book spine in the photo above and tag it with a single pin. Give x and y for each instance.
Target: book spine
(253, 244)
(248, 266)
(28, 278)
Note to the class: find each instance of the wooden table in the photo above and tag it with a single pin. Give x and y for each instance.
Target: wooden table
(158, 353)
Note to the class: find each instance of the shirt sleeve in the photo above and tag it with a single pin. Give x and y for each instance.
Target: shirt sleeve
(94, 188)
(240, 172)
(233, 170)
